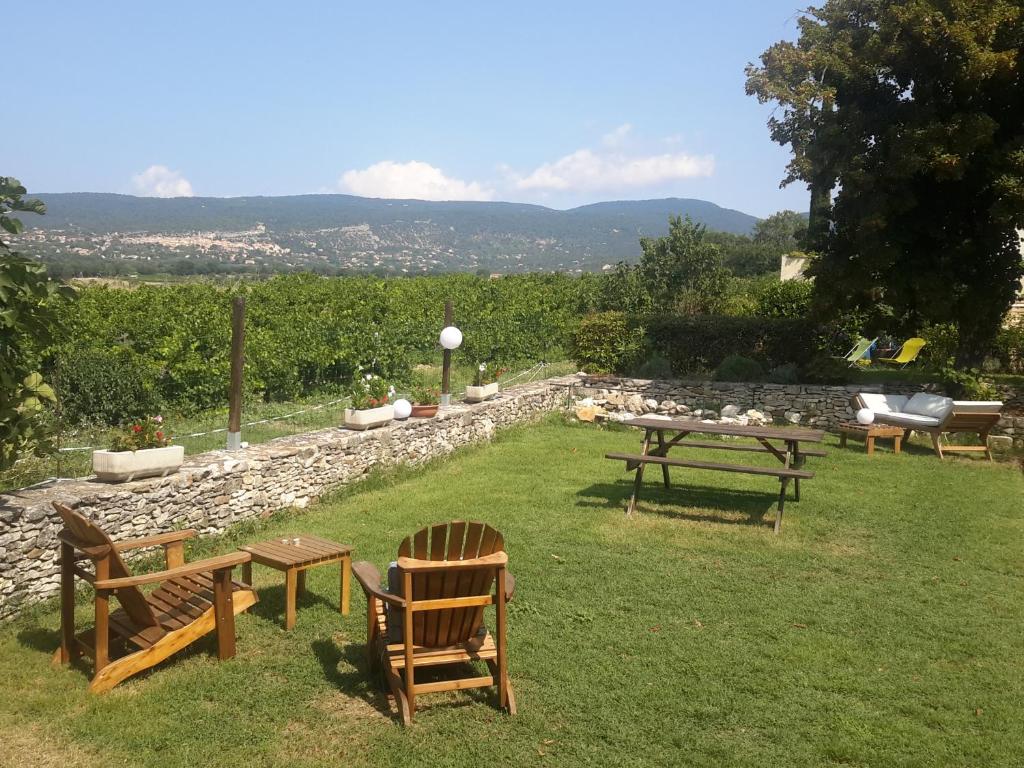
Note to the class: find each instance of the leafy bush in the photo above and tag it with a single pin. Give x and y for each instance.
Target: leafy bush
(702, 342)
(790, 298)
(1009, 348)
(784, 374)
(654, 367)
(739, 368)
(605, 343)
(106, 386)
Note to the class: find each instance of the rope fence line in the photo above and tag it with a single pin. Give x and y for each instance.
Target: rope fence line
(531, 372)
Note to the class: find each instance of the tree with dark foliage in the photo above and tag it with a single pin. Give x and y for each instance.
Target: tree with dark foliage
(911, 113)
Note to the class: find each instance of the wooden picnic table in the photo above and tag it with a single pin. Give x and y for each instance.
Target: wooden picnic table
(782, 443)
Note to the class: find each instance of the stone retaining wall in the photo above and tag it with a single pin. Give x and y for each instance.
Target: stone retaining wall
(214, 490)
(807, 404)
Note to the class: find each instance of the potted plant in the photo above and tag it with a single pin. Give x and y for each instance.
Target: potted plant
(141, 449)
(424, 401)
(371, 406)
(485, 383)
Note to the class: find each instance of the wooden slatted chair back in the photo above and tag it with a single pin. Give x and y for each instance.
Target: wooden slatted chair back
(89, 538)
(456, 541)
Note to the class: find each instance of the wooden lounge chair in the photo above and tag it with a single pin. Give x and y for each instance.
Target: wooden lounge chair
(935, 415)
(908, 353)
(433, 614)
(191, 601)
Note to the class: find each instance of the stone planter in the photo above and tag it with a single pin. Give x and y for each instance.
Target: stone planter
(118, 466)
(368, 418)
(424, 411)
(479, 394)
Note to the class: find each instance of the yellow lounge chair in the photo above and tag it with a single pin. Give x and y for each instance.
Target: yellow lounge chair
(908, 353)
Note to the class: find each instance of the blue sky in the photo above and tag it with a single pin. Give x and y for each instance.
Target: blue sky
(558, 103)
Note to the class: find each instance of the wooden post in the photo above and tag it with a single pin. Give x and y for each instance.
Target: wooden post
(237, 360)
(446, 366)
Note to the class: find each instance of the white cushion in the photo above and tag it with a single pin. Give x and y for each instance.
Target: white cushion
(880, 403)
(977, 406)
(909, 420)
(933, 406)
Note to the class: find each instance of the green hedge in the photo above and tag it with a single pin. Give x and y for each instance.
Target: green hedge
(698, 344)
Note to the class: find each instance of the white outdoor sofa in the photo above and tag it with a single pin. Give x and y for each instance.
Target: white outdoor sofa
(935, 415)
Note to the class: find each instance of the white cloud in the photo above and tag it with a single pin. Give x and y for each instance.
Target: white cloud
(585, 169)
(414, 180)
(616, 137)
(161, 181)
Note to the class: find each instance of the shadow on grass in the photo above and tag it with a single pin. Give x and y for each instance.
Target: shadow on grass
(370, 687)
(759, 508)
(271, 605)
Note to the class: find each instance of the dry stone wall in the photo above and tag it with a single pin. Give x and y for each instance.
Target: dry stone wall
(811, 405)
(214, 490)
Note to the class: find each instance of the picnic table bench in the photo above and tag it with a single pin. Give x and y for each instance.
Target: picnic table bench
(783, 444)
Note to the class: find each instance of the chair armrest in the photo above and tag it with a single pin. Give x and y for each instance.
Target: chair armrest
(199, 566)
(369, 579)
(159, 539)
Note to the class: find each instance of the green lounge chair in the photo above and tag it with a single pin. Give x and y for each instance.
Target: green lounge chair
(858, 354)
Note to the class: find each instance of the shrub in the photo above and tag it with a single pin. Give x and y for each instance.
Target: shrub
(784, 374)
(790, 298)
(739, 368)
(702, 342)
(1009, 348)
(654, 367)
(105, 386)
(605, 343)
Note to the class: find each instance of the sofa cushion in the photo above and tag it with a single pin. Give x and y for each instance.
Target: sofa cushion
(908, 420)
(933, 406)
(879, 403)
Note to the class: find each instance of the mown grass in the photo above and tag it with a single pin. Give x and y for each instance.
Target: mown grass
(883, 627)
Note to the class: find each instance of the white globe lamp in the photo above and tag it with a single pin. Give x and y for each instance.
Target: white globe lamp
(403, 408)
(451, 338)
(865, 416)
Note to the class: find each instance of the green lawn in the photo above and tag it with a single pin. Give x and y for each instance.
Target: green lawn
(882, 628)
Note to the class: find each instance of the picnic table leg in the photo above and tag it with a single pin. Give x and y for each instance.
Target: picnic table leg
(782, 504)
(798, 462)
(639, 475)
(664, 452)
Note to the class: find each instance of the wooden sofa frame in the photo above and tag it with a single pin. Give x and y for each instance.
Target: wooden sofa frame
(967, 422)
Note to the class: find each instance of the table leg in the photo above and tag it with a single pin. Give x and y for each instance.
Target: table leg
(300, 583)
(290, 584)
(664, 452)
(842, 439)
(782, 504)
(346, 581)
(639, 475)
(797, 463)
(896, 443)
(871, 445)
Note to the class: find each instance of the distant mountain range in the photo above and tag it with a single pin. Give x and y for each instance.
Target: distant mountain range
(356, 233)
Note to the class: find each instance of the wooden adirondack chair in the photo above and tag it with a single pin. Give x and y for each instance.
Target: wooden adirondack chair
(191, 601)
(446, 575)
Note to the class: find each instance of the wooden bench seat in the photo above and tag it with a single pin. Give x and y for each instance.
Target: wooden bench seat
(636, 458)
(721, 445)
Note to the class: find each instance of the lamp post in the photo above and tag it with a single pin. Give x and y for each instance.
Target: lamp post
(451, 338)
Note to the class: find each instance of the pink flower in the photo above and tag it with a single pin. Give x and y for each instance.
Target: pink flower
(158, 419)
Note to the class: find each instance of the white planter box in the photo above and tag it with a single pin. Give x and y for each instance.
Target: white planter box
(479, 394)
(118, 466)
(368, 418)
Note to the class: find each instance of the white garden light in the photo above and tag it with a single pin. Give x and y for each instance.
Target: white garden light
(403, 408)
(451, 337)
(865, 416)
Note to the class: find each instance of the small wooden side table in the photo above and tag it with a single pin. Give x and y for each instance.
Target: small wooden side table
(294, 555)
(868, 433)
